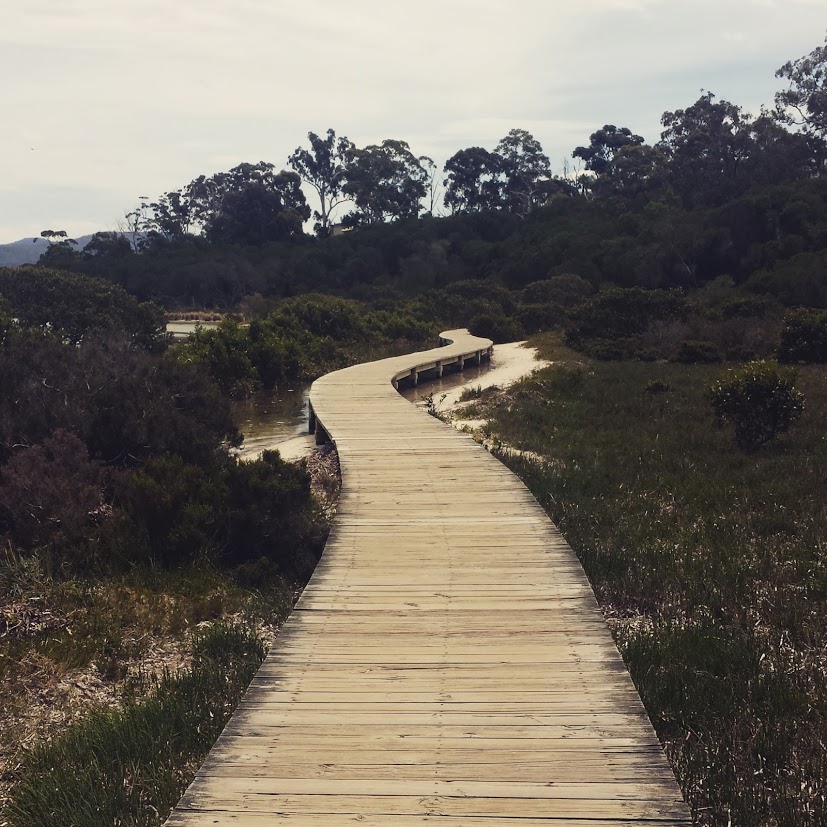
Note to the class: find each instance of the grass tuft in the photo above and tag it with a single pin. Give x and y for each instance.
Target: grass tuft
(130, 766)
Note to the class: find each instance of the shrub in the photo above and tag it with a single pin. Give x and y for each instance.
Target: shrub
(619, 313)
(696, 353)
(498, 329)
(567, 290)
(804, 336)
(760, 400)
(750, 307)
(535, 318)
(657, 386)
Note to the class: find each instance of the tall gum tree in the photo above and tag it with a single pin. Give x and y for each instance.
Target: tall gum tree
(386, 182)
(324, 167)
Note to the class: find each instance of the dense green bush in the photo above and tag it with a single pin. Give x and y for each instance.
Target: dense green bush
(71, 306)
(303, 338)
(534, 318)
(618, 314)
(804, 337)
(171, 512)
(497, 328)
(760, 400)
(566, 290)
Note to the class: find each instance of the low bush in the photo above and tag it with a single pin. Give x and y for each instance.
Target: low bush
(498, 329)
(618, 314)
(804, 337)
(760, 400)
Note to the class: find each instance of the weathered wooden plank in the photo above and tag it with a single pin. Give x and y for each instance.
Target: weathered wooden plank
(447, 664)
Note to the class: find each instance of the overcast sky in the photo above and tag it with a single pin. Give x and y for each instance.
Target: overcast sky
(107, 100)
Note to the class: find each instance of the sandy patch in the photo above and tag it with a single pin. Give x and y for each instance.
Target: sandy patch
(510, 363)
(291, 450)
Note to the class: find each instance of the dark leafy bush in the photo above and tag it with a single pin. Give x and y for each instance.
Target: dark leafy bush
(73, 305)
(48, 496)
(617, 314)
(750, 307)
(565, 290)
(498, 329)
(172, 512)
(804, 337)
(760, 400)
(534, 318)
(657, 386)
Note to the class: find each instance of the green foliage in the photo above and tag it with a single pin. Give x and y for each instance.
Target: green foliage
(130, 766)
(607, 322)
(172, 512)
(302, 338)
(385, 181)
(72, 306)
(760, 400)
(691, 352)
(804, 337)
(750, 307)
(123, 403)
(497, 328)
(709, 562)
(565, 290)
(48, 494)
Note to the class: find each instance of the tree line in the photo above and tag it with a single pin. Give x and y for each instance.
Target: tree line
(721, 194)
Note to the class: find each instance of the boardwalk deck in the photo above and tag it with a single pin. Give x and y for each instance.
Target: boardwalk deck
(446, 665)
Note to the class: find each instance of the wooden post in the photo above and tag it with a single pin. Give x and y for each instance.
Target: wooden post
(311, 420)
(439, 370)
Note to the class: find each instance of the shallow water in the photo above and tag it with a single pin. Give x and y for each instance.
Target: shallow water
(448, 382)
(269, 418)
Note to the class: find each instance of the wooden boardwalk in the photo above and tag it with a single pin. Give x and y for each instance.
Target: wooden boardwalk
(446, 665)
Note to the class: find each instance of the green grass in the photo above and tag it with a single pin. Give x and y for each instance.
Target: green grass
(129, 767)
(711, 562)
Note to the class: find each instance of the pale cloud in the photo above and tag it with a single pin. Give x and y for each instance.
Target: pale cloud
(106, 100)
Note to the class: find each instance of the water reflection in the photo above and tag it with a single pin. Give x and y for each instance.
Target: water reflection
(271, 417)
(448, 382)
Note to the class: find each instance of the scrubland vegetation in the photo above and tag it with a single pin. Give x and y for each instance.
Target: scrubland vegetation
(708, 560)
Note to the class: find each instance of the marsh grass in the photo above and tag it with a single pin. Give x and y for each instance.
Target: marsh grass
(130, 766)
(711, 564)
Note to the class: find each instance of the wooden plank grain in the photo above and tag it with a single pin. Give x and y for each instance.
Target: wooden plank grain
(447, 664)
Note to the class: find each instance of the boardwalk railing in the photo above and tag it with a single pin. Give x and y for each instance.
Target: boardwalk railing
(447, 663)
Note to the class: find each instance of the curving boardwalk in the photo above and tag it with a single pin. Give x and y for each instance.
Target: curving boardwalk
(447, 664)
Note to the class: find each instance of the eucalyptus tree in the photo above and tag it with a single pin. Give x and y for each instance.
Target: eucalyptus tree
(804, 102)
(510, 178)
(603, 145)
(523, 165)
(473, 181)
(386, 182)
(323, 167)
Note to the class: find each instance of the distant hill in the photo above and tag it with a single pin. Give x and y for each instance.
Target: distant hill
(29, 250)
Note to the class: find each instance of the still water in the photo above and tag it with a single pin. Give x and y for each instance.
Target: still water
(271, 417)
(448, 382)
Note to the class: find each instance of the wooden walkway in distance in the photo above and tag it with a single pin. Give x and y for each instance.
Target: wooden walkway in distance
(447, 663)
